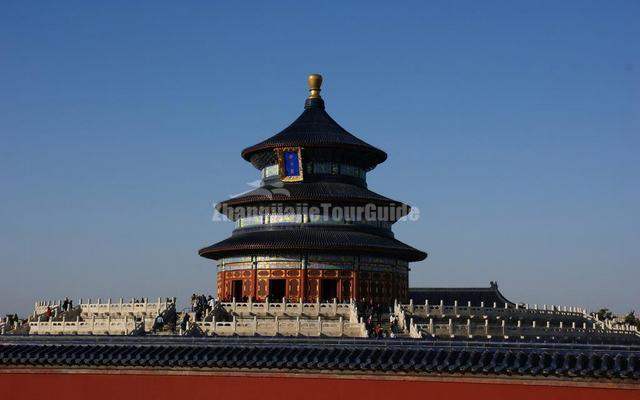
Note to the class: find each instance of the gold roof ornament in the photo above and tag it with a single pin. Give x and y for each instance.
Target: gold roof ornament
(315, 81)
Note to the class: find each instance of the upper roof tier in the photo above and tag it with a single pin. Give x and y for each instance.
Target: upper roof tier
(314, 128)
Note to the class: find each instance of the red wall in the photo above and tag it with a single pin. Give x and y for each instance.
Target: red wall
(157, 385)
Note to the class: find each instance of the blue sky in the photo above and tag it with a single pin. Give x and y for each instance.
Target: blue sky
(514, 128)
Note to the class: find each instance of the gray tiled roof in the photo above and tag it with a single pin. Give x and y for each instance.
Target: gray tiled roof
(464, 358)
(315, 128)
(487, 295)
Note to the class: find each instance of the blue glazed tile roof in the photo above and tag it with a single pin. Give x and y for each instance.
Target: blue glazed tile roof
(361, 356)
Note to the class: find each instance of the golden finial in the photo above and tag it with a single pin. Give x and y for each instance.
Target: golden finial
(315, 81)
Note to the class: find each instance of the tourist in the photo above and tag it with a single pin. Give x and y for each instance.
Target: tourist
(48, 312)
(185, 321)
(159, 323)
(378, 331)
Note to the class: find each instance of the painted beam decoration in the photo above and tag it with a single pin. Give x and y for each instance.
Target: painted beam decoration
(290, 161)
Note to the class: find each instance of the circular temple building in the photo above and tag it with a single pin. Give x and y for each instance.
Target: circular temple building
(313, 231)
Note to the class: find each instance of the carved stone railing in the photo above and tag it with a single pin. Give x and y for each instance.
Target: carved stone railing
(472, 328)
(93, 326)
(283, 327)
(399, 312)
(100, 308)
(505, 311)
(41, 307)
(298, 309)
(138, 309)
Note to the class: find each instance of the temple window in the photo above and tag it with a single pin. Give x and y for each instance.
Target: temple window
(308, 218)
(269, 171)
(321, 168)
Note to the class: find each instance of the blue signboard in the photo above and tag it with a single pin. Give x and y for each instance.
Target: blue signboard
(291, 164)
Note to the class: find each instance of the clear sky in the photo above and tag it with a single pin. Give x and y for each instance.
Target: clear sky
(514, 128)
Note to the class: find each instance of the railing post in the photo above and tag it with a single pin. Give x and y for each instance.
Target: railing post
(341, 327)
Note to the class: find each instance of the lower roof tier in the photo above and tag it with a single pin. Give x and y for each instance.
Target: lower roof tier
(312, 240)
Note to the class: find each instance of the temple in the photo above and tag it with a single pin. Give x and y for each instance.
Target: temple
(312, 261)
(313, 231)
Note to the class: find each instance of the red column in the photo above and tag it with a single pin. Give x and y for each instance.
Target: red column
(254, 279)
(354, 290)
(222, 285)
(303, 285)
